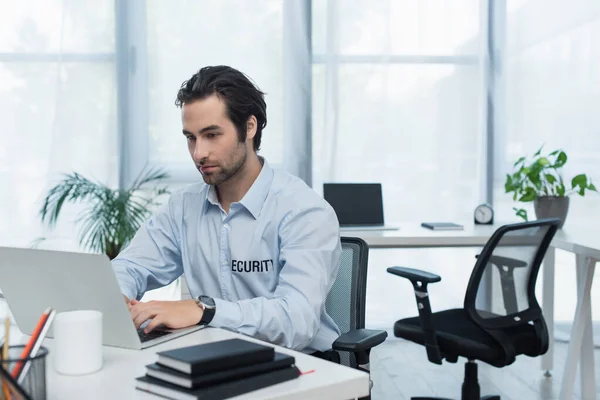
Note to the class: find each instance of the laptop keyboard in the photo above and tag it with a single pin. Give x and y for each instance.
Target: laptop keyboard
(156, 333)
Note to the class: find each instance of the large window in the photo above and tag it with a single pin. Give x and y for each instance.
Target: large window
(552, 86)
(89, 86)
(397, 97)
(57, 107)
(246, 35)
(396, 100)
(551, 91)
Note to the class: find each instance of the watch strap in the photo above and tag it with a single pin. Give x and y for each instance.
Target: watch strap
(208, 312)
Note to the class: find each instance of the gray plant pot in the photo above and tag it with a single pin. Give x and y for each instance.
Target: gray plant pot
(552, 207)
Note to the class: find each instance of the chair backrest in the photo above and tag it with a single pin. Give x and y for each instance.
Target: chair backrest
(347, 298)
(501, 290)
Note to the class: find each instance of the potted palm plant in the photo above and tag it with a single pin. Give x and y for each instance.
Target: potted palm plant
(112, 216)
(539, 180)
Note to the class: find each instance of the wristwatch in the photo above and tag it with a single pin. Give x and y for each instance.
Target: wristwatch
(206, 303)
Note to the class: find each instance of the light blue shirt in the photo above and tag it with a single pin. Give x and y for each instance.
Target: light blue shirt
(269, 264)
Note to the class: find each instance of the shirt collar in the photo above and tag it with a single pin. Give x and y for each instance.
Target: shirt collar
(254, 199)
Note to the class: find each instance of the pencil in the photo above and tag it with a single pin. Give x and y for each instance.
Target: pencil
(29, 346)
(5, 391)
(37, 345)
(6, 334)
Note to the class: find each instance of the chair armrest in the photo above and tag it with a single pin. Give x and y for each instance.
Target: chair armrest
(414, 274)
(420, 280)
(359, 340)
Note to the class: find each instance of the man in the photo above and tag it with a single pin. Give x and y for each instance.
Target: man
(258, 247)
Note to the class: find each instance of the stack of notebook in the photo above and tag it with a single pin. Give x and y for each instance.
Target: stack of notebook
(217, 370)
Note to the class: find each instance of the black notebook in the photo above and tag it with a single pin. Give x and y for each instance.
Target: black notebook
(442, 226)
(179, 378)
(220, 391)
(215, 356)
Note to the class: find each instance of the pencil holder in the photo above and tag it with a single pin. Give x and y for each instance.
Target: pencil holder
(32, 377)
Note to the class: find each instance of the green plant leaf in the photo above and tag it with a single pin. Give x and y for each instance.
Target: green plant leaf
(521, 212)
(112, 217)
(541, 176)
(535, 179)
(95, 225)
(73, 188)
(543, 161)
(579, 180)
(508, 183)
(528, 195)
(35, 243)
(561, 160)
(148, 176)
(520, 160)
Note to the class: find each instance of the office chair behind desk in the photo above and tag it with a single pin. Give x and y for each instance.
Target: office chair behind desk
(501, 317)
(346, 305)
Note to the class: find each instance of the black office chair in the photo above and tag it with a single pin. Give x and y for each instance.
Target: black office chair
(346, 305)
(501, 317)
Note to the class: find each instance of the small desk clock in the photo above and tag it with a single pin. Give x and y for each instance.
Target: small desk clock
(484, 214)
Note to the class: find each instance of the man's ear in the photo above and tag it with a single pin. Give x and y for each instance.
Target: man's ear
(251, 125)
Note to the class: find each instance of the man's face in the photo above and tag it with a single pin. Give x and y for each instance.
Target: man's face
(213, 140)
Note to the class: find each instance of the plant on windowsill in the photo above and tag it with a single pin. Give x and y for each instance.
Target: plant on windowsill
(539, 180)
(112, 216)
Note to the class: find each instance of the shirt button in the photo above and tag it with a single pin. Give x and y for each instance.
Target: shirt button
(226, 226)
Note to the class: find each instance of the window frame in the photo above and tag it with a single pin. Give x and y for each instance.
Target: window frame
(298, 61)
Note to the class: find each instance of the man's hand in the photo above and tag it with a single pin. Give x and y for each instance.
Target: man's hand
(130, 303)
(172, 314)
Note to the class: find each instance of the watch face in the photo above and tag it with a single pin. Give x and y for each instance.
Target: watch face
(484, 214)
(208, 301)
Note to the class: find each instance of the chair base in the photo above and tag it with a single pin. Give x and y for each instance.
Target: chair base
(470, 386)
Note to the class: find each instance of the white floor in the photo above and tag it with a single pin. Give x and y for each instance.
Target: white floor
(400, 369)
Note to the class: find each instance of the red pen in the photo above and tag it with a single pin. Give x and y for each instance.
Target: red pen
(37, 345)
(29, 346)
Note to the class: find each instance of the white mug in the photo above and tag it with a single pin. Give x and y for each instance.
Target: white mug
(77, 343)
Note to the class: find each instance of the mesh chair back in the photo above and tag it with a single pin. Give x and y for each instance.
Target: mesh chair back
(501, 291)
(346, 300)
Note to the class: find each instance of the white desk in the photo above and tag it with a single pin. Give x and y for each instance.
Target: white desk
(116, 380)
(584, 243)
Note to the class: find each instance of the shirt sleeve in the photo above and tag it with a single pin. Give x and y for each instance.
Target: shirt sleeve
(309, 252)
(153, 257)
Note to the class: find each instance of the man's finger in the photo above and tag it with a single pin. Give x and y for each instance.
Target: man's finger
(156, 321)
(140, 319)
(135, 311)
(127, 299)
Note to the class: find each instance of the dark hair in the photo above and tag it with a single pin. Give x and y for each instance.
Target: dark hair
(242, 97)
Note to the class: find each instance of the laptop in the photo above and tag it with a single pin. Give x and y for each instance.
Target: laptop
(33, 280)
(358, 206)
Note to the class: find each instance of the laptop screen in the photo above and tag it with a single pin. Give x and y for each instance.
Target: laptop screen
(355, 203)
